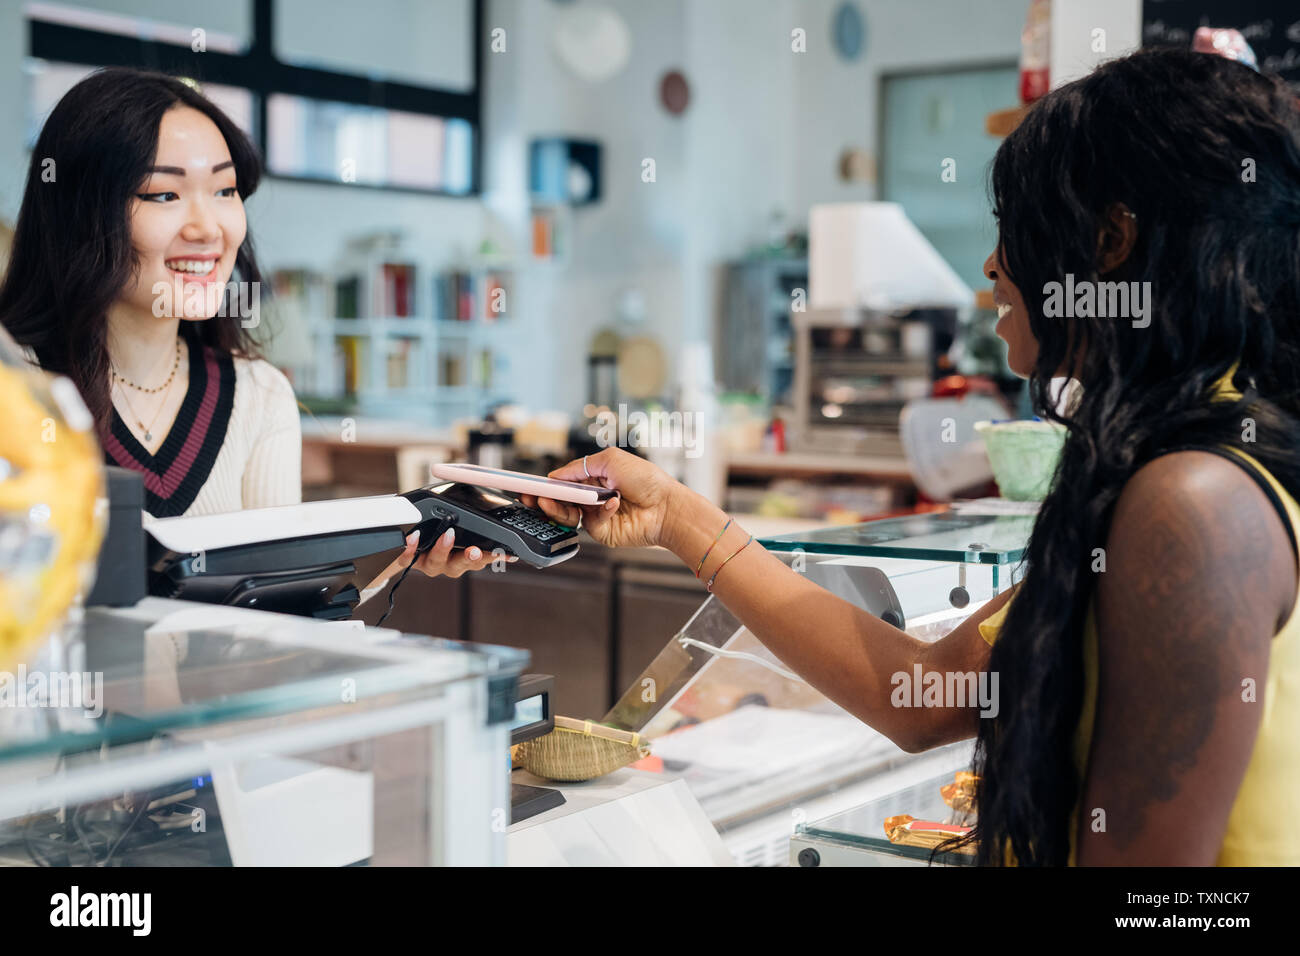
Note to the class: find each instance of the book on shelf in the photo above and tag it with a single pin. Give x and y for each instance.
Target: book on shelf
(462, 296)
(352, 351)
(397, 363)
(452, 372)
(496, 295)
(396, 290)
(465, 298)
(441, 296)
(347, 298)
(454, 297)
(549, 227)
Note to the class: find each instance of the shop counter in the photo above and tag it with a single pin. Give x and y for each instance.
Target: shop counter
(174, 733)
(761, 750)
(625, 818)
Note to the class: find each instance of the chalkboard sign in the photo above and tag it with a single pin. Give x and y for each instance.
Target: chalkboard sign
(1271, 27)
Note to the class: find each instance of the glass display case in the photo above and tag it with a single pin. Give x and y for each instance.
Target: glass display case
(764, 752)
(856, 837)
(173, 733)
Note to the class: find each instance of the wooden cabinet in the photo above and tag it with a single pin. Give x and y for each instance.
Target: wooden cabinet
(653, 605)
(562, 616)
(423, 605)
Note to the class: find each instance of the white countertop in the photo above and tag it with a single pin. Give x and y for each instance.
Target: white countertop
(625, 818)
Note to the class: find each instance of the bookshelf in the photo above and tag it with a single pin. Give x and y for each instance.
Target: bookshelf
(389, 337)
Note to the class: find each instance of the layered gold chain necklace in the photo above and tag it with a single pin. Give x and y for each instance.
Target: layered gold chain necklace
(165, 387)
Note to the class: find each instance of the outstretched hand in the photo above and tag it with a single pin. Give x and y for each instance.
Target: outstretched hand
(635, 518)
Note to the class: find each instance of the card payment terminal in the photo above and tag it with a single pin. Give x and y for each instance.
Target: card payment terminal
(492, 520)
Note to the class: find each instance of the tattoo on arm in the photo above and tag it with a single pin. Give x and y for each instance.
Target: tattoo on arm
(1191, 588)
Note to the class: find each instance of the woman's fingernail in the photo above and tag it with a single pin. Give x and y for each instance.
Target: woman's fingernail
(413, 538)
(448, 536)
(475, 554)
(511, 560)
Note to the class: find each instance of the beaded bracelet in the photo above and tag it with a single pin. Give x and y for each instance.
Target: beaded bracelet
(715, 541)
(709, 587)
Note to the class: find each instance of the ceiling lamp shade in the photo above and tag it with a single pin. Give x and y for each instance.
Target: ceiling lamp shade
(869, 255)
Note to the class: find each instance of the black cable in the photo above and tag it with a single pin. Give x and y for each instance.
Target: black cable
(78, 833)
(392, 591)
(82, 838)
(135, 819)
(425, 545)
(38, 856)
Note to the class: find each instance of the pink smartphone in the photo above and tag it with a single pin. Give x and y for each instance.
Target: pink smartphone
(520, 483)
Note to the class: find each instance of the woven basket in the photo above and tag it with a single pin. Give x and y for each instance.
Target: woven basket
(580, 750)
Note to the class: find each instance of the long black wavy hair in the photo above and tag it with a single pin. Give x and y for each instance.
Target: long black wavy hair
(72, 254)
(1206, 153)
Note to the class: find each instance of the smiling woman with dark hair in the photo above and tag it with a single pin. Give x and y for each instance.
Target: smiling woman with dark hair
(132, 273)
(1149, 661)
(136, 186)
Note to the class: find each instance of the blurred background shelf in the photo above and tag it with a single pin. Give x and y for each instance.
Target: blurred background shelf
(806, 463)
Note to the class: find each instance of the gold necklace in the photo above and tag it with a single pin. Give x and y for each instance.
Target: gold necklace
(147, 429)
(153, 391)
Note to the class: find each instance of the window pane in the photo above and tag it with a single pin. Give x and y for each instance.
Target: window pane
(227, 27)
(235, 101)
(46, 84)
(316, 139)
(941, 114)
(423, 42)
(48, 81)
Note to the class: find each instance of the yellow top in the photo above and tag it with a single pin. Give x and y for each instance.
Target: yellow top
(1270, 790)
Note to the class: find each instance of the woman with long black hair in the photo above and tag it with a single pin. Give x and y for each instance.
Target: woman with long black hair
(132, 273)
(1149, 661)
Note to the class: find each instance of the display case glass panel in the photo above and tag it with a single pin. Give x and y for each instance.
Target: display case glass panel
(175, 733)
(862, 828)
(761, 749)
(936, 536)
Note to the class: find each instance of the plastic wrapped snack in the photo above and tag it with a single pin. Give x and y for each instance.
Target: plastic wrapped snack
(906, 830)
(960, 794)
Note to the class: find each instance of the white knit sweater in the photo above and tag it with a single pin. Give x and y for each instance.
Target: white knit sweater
(260, 462)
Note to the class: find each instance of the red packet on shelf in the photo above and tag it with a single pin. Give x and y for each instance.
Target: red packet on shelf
(906, 830)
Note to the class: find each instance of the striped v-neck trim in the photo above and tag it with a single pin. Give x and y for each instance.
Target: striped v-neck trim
(174, 476)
